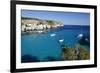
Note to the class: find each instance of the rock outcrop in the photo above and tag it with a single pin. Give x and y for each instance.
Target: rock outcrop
(77, 53)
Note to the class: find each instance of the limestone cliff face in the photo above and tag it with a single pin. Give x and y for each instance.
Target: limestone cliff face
(26, 21)
(31, 24)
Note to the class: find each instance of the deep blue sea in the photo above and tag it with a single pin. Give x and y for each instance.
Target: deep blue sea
(44, 46)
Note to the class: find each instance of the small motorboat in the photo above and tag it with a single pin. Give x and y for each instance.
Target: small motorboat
(80, 36)
(52, 35)
(61, 40)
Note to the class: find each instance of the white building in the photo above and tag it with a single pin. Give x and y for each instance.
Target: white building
(48, 26)
(40, 27)
(23, 28)
(28, 28)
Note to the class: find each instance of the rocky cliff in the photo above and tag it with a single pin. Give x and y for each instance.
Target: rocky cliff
(35, 24)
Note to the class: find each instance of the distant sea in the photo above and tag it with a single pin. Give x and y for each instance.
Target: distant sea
(44, 46)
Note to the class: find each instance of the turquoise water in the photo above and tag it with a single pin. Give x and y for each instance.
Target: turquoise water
(43, 46)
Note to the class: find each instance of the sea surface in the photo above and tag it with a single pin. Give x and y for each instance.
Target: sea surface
(44, 46)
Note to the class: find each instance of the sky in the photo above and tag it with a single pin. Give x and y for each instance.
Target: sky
(67, 18)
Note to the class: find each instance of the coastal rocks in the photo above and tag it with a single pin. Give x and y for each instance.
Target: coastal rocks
(77, 53)
(69, 54)
(83, 54)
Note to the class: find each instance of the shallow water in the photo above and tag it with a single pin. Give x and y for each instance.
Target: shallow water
(43, 46)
